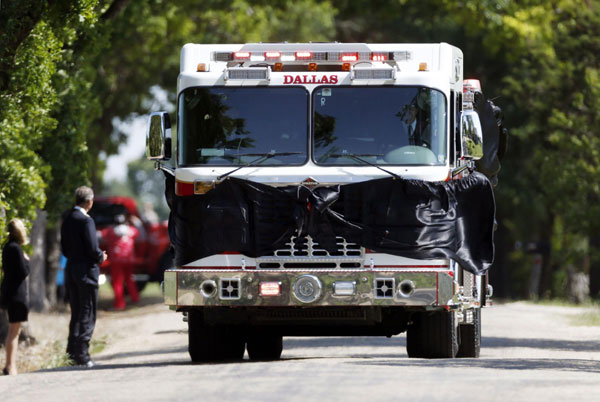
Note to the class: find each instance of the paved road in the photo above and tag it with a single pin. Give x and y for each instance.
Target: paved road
(529, 353)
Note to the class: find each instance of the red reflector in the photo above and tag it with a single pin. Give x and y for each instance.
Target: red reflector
(379, 57)
(184, 188)
(272, 55)
(303, 55)
(349, 57)
(241, 55)
(270, 288)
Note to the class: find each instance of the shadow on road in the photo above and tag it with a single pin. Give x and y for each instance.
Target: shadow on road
(578, 365)
(486, 342)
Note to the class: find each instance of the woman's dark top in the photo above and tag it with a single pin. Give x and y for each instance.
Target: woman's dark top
(15, 269)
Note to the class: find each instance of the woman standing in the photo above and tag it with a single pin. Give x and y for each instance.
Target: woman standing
(13, 292)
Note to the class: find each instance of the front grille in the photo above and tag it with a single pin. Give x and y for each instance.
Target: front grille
(230, 289)
(307, 247)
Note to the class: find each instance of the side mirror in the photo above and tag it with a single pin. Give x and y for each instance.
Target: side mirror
(471, 135)
(158, 137)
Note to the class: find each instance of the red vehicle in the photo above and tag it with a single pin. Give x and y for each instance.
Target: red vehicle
(152, 254)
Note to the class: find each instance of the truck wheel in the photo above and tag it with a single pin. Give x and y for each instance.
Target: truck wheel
(433, 336)
(264, 346)
(213, 342)
(470, 336)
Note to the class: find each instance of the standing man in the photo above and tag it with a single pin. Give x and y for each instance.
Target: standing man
(80, 246)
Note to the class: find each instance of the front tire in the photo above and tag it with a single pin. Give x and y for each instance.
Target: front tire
(433, 336)
(208, 343)
(470, 335)
(264, 346)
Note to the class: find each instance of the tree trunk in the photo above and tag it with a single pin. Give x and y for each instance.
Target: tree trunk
(52, 260)
(595, 267)
(545, 289)
(37, 264)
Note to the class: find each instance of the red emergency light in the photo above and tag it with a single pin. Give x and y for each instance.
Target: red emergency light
(272, 55)
(349, 57)
(379, 57)
(303, 55)
(241, 55)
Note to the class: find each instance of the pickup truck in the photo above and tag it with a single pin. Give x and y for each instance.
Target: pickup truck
(152, 254)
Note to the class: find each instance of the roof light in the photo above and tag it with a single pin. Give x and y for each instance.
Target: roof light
(346, 67)
(270, 288)
(278, 67)
(471, 85)
(257, 57)
(349, 57)
(303, 55)
(422, 66)
(312, 66)
(379, 56)
(272, 55)
(241, 55)
(288, 57)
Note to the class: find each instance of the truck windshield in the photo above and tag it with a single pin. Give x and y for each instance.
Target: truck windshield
(382, 125)
(226, 126)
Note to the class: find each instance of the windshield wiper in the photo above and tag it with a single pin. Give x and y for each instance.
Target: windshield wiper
(359, 157)
(262, 157)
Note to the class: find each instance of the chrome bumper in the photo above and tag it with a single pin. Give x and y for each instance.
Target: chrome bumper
(381, 287)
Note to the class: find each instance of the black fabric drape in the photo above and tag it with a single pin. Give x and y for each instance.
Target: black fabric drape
(409, 218)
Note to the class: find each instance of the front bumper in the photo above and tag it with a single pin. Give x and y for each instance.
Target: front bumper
(184, 288)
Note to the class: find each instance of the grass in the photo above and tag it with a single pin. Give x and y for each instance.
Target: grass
(588, 319)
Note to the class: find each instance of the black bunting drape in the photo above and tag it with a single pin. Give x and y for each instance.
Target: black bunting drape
(409, 218)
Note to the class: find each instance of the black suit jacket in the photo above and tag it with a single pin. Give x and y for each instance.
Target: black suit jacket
(80, 246)
(16, 269)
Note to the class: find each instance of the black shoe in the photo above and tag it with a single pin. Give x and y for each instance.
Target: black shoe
(4, 371)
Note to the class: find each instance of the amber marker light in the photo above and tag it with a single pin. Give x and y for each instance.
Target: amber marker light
(312, 66)
(203, 187)
(278, 67)
(422, 66)
(270, 288)
(346, 67)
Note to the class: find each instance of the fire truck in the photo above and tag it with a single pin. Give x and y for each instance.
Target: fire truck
(326, 189)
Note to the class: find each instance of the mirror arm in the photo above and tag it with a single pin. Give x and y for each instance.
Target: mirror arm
(166, 168)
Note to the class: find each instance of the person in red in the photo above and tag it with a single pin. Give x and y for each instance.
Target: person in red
(122, 260)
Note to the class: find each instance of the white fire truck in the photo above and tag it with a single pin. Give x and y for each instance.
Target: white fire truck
(284, 197)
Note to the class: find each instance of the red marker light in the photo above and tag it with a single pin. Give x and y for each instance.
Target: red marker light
(379, 57)
(303, 55)
(349, 57)
(272, 55)
(270, 288)
(241, 55)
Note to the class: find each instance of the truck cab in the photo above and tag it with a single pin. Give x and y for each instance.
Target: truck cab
(322, 189)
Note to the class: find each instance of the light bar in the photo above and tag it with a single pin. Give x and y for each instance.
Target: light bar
(373, 74)
(270, 288)
(247, 73)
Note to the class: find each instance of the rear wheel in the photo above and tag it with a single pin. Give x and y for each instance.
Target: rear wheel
(432, 335)
(470, 335)
(264, 346)
(213, 342)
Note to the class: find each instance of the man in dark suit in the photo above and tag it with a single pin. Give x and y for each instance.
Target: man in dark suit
(80, 247)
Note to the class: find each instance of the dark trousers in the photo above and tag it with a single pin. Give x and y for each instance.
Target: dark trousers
(83, 299)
